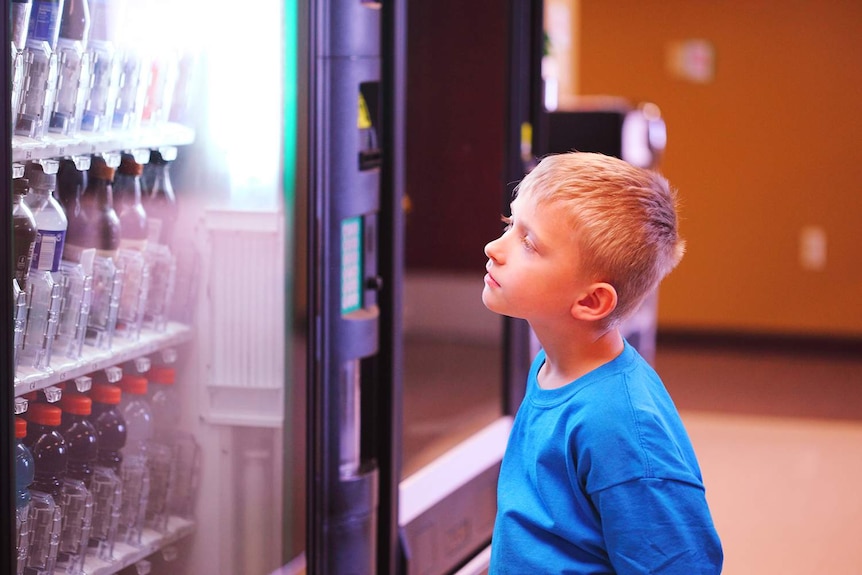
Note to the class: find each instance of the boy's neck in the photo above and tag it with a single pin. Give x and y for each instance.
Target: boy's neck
(575, 355)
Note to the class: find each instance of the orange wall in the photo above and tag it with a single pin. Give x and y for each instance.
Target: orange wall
(772, 144)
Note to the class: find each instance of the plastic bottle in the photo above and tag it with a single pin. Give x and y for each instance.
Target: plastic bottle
(24, 469)
(109, 423)
(133, 243)
(185, 451)
(103, 235)
(20, 16)
(25, 232)
(107, 486)
(160, 200)
(51, 220)
(20, 20)
(134, 68)
(80, 435)
(71, 183)
(135, 472)
(99, 110)
(44, 289)
(164, 401)
(77, 276)
(74, 72)
(97, 204)
(49, 455)
(39, 92)
(162, 459)
(161, 205)
(128, 197)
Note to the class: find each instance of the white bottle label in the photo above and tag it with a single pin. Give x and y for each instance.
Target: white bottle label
(48, 250)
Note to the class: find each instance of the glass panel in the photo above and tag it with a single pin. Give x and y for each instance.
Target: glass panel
(453, 363)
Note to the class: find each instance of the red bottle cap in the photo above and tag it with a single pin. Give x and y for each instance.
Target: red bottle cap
(134, 384)
(44, 414)
(163, 375)
(76, 403)
(20, 427)
(106, 393)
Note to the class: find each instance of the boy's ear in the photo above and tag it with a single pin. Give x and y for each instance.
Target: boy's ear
(596, 303)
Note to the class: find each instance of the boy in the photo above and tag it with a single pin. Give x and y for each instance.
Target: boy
(599, 475)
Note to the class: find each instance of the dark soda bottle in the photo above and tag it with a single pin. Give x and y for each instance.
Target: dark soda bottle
(80, 435)
(71, 183)
(130, 207)
(109, 423)
(160, 201)
(97, 203)
(24, 235)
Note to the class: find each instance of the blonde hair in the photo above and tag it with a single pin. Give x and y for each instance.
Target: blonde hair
(624, 217)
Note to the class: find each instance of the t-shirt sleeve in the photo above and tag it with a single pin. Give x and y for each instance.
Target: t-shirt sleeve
(658, 526)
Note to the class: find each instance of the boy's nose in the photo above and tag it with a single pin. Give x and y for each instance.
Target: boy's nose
(492, 249)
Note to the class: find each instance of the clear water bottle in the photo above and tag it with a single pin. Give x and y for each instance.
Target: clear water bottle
(105, 16)
(51, 220)
(107, 487)
(40, 69)
(135, 470)
(24, 470)
(74, 71)
(44, 288)
(20, 20)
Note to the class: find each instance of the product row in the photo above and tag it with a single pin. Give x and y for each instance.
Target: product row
(94, 469)
(82, 66)
(94, 254)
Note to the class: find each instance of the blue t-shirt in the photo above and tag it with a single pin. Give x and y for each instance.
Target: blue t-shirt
(599, 476)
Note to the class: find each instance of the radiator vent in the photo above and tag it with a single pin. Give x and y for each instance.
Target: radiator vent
(243, 327)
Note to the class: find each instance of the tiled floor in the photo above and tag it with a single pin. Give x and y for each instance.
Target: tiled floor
(778, 433)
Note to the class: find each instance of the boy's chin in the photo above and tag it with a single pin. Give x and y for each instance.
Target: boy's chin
(491, 305)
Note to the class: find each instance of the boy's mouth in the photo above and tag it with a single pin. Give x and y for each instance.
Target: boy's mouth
(490, 281)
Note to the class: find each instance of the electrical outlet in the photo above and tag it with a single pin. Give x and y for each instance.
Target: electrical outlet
(812, 248)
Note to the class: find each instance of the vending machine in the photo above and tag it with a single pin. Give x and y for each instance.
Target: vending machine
(212, 361)
(153, 339)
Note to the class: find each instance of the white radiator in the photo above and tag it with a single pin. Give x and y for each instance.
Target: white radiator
(242, 327)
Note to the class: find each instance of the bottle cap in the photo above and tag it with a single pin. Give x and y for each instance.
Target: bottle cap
(129, 166)
(106, 393)
(44, 414)
(100, 169)
(76, 403)
(37, 177)
(163, 375)
(20, 427)
(21, 186)
(134, 384)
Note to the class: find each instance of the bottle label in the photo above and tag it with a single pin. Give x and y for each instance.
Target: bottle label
(43, 21)
(48, 250)
(23, 263)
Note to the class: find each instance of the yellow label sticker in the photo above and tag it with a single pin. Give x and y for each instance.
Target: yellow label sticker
(364, 119)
